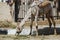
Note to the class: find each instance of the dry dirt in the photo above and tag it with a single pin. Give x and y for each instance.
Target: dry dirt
(45, 22)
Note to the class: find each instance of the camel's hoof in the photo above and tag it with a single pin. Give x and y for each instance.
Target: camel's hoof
(30, 34)
(17, 33)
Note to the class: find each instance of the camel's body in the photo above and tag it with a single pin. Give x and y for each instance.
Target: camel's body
(38, 9)
(43, 9)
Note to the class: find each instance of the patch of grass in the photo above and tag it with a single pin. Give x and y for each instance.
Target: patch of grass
(15, 37)
(6, 24)
(21, 37)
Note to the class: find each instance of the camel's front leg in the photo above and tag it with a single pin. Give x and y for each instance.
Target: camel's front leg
(31, 23)
(36, 23)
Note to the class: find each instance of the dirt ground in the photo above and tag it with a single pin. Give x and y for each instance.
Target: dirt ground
(41, 22)
(42, 37)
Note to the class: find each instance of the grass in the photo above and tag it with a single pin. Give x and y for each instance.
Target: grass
(14, 37)
(6, 24)
(21, 37)
(45, 22)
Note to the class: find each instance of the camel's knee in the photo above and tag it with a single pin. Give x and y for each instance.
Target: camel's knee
(37, 27)
(50, 24)
(53, 21)
(49, 21)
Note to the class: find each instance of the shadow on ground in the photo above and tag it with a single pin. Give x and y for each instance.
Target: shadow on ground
(3, 32)
(46, 31)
